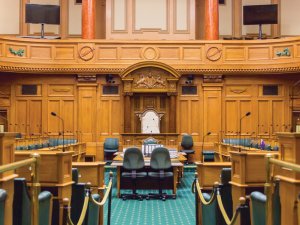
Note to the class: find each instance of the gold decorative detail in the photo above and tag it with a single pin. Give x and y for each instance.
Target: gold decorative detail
(86, 53)
(284, 52)
(238, 90)
(150, 81)
(213, 53)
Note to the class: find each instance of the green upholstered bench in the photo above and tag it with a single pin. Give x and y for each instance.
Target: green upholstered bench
(208, 156)
(258, 205)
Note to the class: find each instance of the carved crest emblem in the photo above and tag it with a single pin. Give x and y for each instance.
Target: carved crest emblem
(150, 81)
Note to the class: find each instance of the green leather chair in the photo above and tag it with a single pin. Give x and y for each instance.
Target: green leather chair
(3, 196)
(187, 145)
(226, 194)
(160, 163)
(258, 204)
(133, 161)
(209, 212)
(77, 200)
(22, 204)
(45, 207)
(111, 146)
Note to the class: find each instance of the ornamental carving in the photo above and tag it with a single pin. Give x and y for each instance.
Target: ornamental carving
(150, 80)
(91, 78)
(238, 90)
(212, 79)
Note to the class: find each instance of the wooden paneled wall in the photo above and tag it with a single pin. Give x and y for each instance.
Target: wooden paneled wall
(92, 116)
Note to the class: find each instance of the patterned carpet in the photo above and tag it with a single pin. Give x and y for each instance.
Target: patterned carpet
(180, 211)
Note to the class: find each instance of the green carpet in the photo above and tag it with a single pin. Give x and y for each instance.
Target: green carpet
(180, 211)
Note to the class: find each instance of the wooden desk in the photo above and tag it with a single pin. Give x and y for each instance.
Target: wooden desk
(177, 166)
(209, 173)
(55, 176)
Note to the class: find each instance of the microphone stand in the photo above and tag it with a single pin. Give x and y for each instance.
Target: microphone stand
(240, 129)
(63, 127)
(208, 133)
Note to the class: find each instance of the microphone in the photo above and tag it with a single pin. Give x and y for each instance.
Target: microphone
(207, 134)
(240, 128)
(63, 127)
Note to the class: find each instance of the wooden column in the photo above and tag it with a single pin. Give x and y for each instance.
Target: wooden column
(24, 27)
(237, 18)
(64, 19)
(289, 180)
(88, 19)
(172, 121)
(211, 20)
(275, 28)
(7, 150)
(127, 111)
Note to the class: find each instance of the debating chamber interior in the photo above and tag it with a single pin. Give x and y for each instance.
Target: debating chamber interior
(148, 112)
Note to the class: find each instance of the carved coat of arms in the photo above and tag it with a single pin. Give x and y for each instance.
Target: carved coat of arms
(150, 81)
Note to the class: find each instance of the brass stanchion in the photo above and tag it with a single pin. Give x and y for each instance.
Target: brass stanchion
(35, 188)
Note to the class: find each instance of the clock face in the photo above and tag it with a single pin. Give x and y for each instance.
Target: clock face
(150, 123)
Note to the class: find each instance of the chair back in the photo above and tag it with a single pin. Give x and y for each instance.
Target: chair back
(111, 143)
(209, 212)
(3, 196)
(77, 201)
(258, 203)
(21, 203)
(45, 207)
(226, 194)
(92, 217)
(277, 205)
(133, 159)
(187, 141)
(160, 159)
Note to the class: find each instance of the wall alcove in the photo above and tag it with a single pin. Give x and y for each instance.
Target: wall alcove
(150, 88)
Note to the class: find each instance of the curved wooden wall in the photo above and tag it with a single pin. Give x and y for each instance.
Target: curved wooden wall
(105, 56)
(70, 76)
